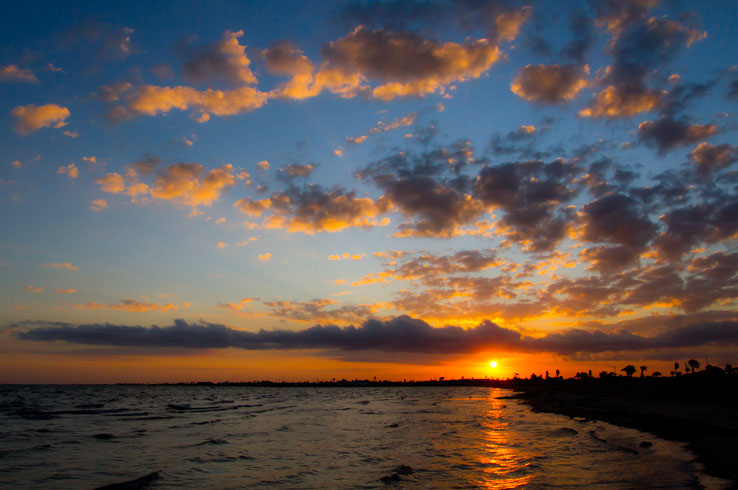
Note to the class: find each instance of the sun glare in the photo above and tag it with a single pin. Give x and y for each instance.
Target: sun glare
(493, 364)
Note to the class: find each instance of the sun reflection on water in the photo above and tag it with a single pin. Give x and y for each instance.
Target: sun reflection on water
(502, 461)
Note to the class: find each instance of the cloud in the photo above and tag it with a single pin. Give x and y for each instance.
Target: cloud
(31, 117)
(550, 84)
(98, 205)
(382, 127)
(381, 64)
(224, 60)
(184, 183)
(711, 158)
(130, 305)
(434, 203)
(609, 260)
(70, 171)
(101, 40)
(236, 306)
(399, 334)
(618, 219)
(64, 265)
(667, 133)
(690, 225)
(264, 257)
(33, 289)
(616, 102)
(12, 73)
(319, 310)
(222, 245)
(637, 50)
(65, 291)
(312, 209)
(152, 100)
(295, 170)
(534, 196)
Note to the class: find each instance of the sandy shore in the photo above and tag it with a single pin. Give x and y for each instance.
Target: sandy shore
(702, 413)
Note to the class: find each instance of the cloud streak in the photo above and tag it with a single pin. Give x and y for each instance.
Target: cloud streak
(399, 334)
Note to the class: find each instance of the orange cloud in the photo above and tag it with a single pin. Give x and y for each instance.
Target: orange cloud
(98, 205)
(403, 64)
(550, 84)
(32, 117)
(152, 100)
(70, 171)
(130, 305)
(264, 257)
(34, 289)
(382, 127)
(60, 265)
(616, 102)
(12, 73)
(185, 183)
(65, 291)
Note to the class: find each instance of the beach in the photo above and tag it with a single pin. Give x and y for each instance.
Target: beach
(698, 411)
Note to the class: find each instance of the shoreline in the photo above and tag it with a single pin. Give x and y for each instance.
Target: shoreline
(703, 416)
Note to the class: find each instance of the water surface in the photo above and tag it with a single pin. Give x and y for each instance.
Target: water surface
(81, 437)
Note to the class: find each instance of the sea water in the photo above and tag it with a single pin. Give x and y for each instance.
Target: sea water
(83, 437)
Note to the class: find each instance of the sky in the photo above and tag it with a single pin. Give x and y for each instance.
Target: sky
(214, 191)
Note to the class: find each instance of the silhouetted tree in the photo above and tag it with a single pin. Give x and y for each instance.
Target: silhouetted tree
(643, 368)
(676, 368)
(558, 373)
(656, 374)
(694, 364)
(729, 369)
(629, 370)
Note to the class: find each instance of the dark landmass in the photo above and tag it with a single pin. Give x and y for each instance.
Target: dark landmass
(699, 411)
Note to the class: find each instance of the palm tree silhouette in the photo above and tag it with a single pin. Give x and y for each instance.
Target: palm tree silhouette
(629, 370)
(694, 364)
(643, 368)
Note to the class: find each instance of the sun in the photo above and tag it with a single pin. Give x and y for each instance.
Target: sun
(493, 364)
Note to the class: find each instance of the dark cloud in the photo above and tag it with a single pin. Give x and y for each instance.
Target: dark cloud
(732, 91)
(618, 219)
(616, 15)
(711, 158)
(533, 195)
(399, 334)
(428, 189)
(581, 26)
(608, 260)
(295, 170)
(499, 19)
(146, 164)
(549, 84)
(103, 41)
(225, 60)
(404, 56)
(311, 208)
(639, 46)
(667, 133)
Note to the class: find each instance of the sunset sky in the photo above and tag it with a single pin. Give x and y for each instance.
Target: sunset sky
(544, 184)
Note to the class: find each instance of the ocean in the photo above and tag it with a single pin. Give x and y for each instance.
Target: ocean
(220, 437)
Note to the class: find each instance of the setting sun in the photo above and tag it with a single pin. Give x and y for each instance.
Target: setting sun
(493, 364)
